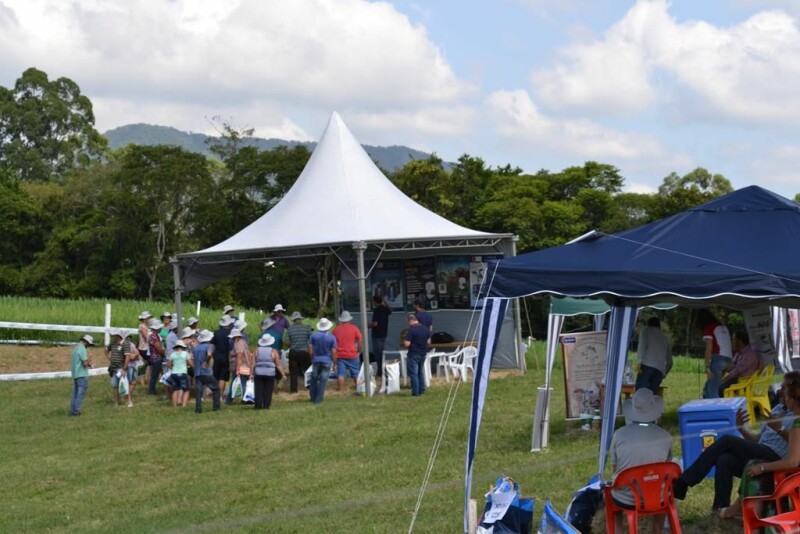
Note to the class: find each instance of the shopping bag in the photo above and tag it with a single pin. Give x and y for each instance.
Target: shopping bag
(505, 511)
(165, 379)
(236, 388)
(226, 394)
(308, 376)
(361, 385)
(249, 396)
(391, 378)
(123, 385)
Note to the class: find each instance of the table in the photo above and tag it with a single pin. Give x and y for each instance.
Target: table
(455, 345)
(627, 391)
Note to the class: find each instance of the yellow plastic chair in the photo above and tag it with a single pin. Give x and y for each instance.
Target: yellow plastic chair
(755, 388)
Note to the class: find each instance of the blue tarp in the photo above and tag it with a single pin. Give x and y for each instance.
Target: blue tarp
(731, 251)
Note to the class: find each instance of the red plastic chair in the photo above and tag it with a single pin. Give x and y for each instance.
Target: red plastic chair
(787, 521)
(651, 485)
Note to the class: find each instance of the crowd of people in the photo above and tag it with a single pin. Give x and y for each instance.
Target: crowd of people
(216, 364)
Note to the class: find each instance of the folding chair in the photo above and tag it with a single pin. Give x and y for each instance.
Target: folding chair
(782, 521)
(651, 485)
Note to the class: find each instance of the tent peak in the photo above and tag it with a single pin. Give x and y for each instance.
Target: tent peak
(750, 198)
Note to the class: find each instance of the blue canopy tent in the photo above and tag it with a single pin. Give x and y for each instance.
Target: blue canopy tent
(739, 250)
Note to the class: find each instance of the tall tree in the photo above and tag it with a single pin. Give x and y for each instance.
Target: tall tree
(678, 193)
(46, 127)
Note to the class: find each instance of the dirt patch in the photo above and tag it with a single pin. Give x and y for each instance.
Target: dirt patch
(42, 359)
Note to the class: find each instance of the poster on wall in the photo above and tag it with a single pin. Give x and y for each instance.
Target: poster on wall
(386, 281)
(584, 371)
(350, 291)
(477, 275)
(420, 280)
(758, 323)
(452, 275)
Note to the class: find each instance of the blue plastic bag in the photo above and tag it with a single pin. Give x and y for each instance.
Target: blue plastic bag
(505, 512)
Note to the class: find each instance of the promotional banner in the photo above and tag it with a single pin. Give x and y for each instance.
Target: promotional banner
(584, 370)
(453, 275)
(477, 275)
(794, 333)
(385, 281)
(420, 279)
(758, 323)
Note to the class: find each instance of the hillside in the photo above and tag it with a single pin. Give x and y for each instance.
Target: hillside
(388, 158)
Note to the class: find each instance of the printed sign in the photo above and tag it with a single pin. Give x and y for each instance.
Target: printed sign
(477, 277)
(386, 282)
(453, 274)
(758, 322)
(584, 357)
(420, 279)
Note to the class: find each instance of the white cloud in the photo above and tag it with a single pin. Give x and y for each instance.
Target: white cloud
(519, 119)
(432, 121)
(641, 188)
(777, 166)
(245, 55)
(749, 71)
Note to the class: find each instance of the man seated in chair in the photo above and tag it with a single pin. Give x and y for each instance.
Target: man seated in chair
(641, 441)
(746, 361)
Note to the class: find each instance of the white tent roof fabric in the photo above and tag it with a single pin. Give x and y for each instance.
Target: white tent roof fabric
(341, 197)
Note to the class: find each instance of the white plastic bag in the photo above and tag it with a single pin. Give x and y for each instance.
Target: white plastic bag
(308, 376)
(236, 388)
(165, 379)
(249, 396)
(391, 378)
(123, 385)
(361, 385)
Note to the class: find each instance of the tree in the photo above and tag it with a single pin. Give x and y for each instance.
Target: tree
(46, 127)
(566, 184)
(423, 180)
(679, 193)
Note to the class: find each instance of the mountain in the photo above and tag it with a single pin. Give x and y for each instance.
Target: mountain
(388, 158)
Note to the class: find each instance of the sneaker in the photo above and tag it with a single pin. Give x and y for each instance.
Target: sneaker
(130, 404)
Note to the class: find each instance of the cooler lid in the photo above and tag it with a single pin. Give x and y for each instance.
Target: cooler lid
(712, 405)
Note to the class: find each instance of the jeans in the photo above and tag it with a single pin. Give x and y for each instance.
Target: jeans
(416, 372)
(320, 372)
(718, 366)
(299, 361)
(378, 343)
(728, 454)
(78, 393)
(650, 378)
(264, 386)
(200, 383)
(156, 367)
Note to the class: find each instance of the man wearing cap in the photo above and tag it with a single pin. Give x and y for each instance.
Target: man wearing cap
(641, 441)
(80, 374)
(416, 341)
(380, 329)
(222, 349)
(348, 347)
(202, 363)
(157, 353)
(116, 361)
(297, 335)
(322, 348)
(144, 331)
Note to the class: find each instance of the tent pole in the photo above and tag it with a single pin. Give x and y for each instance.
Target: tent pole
(521, 363)
(176, 275)
(360, 247)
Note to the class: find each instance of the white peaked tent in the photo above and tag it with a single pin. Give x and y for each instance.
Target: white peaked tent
(341, 205)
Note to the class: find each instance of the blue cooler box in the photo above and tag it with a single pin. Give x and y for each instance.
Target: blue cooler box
(703, 421)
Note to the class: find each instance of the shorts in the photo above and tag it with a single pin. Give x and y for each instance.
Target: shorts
(133, 373)
(222, 370)
(180, 381)
(347, 366)
(114, 378)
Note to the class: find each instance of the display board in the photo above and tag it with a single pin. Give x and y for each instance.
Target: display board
(420, 279)
(452, 275)
(758, 322)
(477, 275)
(584, 356)
(386, 281)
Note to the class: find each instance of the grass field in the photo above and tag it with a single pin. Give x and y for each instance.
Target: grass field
(348, 465)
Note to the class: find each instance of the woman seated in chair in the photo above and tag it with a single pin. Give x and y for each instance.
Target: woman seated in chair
(746, 361)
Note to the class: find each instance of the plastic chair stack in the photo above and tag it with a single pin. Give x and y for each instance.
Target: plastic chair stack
(755, 388)
(459, 362)
(651, 485)
(785, 503)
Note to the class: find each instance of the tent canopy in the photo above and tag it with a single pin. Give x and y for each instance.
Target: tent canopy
(738, 250)
(340, 199)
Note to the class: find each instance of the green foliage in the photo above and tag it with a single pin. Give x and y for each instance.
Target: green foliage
(46, 127)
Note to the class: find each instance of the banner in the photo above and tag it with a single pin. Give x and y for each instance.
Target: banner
(584, 370)
(758, 322)
(385, 281)
(477, 275)
(453, 274)
(794, 333)
(420, 279)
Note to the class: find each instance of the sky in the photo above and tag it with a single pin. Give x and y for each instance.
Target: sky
(650, 86)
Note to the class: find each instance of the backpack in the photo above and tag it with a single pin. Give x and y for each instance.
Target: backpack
(585, 503)
(442, 337)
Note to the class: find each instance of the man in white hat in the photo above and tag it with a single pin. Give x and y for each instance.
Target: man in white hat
(348, 348)
(202, 363)
(297, 337)
(322, 348)
(222, 349)
(280, 322)
(641, 441)
(80, 374)
(230, 311)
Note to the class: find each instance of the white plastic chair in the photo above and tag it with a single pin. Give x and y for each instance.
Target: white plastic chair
(459, 362)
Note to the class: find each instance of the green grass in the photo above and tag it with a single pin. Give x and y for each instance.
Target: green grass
(348, 465)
